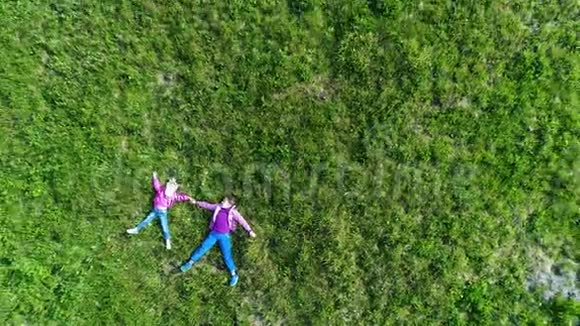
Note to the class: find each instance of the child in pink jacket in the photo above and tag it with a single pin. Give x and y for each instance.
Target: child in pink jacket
(165, 197)
(224, 220)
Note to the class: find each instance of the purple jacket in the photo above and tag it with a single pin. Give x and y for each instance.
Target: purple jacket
(161, 201)
(234, 217)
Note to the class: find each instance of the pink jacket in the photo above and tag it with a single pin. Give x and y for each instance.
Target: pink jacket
(161, 201)
(234, 217)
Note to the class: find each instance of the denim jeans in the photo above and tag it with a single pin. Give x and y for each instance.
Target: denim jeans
(223, 240)
(162, 214)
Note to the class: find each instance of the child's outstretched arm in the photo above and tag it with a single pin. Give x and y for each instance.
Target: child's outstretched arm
(240, 219)
(155, 182)
(205, 205)
(182, 197)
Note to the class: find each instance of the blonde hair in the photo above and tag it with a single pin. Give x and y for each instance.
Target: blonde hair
(172, 185)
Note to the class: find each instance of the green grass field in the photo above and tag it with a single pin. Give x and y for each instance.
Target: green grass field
(402, 162)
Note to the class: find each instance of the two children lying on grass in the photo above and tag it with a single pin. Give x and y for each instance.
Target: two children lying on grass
(224, 220)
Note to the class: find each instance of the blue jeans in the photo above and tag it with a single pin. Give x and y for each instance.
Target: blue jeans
(223, 240)
(162, 214)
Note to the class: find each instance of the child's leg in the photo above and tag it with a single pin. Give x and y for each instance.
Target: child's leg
(147, 220)
(164, 224)
(203, 248)
(226, 247)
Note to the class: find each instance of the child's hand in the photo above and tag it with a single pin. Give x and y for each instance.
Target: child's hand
(193, 201)
(155, 174)
(252, 234)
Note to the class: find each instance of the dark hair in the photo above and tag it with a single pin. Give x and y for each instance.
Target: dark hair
(231, 198)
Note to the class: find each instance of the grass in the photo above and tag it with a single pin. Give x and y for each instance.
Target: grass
(399, 161)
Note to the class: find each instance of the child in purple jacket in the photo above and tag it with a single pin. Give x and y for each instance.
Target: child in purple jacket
(224, 220)
(165, 197)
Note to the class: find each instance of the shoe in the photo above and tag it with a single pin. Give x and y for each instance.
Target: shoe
(133, 231)
(185, 267)
(168, 244)
(234, 280)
